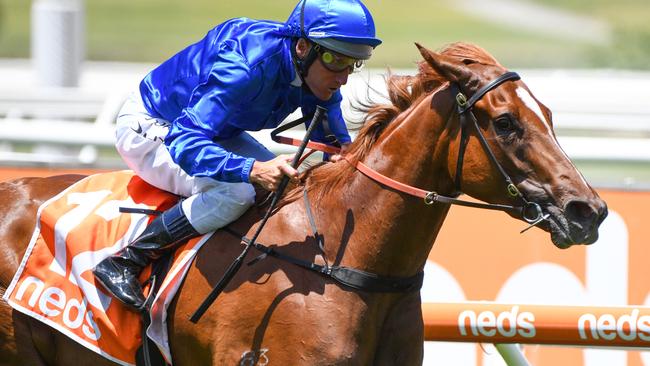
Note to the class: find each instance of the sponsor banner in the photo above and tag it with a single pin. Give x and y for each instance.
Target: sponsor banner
(537, 324)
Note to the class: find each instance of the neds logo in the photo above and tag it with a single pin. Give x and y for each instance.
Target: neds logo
(53, 303)
(506, 323)
(626, 327)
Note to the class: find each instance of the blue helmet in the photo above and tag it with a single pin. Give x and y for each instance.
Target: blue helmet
(343, 26)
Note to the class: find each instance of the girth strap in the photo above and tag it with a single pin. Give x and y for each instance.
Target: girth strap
(349, 277)
(371, 282)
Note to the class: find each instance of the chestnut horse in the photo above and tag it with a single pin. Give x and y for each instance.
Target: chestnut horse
(278, 313)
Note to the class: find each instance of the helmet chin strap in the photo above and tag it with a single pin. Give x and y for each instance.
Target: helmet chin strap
(303, 64)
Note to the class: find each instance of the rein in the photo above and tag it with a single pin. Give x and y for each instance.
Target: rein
(465, 111)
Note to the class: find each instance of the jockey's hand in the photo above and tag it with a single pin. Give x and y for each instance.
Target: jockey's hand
(336, 157)
(268, 174)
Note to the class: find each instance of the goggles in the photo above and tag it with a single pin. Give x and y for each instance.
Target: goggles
(337, 62)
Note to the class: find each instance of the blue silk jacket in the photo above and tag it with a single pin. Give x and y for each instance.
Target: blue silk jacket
(237, 78)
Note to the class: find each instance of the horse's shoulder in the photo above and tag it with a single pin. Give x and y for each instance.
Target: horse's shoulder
(19, 202)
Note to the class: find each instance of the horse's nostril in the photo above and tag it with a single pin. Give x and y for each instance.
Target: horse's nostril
(580, 210)
(602, 211)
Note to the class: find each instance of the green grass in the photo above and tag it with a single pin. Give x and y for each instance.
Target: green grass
(152, 30)
(630, 24)
(14, 28)
(615, 174)
(439, 26)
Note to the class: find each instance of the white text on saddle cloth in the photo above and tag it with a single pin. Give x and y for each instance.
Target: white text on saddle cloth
(75, 230)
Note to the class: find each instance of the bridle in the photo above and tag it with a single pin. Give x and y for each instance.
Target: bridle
(529, 211)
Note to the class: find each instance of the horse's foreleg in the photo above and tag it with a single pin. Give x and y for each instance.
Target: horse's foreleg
(402, 335)
(16, 342)
(8, 347)
(40, 345)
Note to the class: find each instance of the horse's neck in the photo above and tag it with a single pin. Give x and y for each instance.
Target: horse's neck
(389, 232)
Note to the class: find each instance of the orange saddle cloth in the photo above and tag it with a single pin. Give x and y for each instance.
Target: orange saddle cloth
(77, 229)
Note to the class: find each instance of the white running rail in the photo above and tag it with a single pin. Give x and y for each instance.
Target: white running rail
(599, 115)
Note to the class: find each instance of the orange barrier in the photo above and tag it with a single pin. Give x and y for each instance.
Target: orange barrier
(486, 322)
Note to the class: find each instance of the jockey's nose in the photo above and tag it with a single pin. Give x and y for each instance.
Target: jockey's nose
(342, 77)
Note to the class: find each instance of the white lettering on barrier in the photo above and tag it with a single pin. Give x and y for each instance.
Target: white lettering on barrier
(645, 356)
(550, 283)
(488, 324)
(538, 283)
(609, 327)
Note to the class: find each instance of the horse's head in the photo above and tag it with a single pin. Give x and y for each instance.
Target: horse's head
(518, 130)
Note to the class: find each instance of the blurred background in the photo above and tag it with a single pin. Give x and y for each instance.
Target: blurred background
(66, 66)
(521, 34)
(74, 60)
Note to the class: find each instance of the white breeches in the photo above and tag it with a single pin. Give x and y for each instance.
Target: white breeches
(210, 204)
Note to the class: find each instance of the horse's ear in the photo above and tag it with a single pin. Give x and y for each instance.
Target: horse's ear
(451, 69)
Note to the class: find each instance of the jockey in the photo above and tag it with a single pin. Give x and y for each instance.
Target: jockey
(184, 131)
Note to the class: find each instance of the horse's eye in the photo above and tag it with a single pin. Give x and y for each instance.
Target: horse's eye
(504, 125)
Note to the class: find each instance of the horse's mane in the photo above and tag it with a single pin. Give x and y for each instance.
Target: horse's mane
(403, 92)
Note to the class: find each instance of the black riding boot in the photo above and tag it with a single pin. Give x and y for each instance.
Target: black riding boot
(119, 273)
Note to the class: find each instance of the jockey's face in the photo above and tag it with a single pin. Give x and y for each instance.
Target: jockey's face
(322, 81)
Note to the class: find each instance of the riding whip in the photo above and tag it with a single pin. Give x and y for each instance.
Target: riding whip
(234, 267)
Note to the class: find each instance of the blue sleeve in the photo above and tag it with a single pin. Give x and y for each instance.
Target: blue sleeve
(212, 104)
(335, 119)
